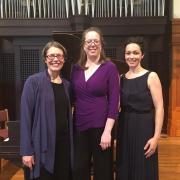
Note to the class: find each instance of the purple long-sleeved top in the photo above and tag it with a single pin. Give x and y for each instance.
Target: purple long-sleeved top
(97, 98)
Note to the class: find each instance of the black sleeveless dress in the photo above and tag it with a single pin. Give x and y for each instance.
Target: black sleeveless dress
(136, 127)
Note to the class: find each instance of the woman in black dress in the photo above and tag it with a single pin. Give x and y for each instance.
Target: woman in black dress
(141, 118)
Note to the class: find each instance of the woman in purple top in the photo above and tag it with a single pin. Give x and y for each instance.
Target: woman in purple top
(95, 84)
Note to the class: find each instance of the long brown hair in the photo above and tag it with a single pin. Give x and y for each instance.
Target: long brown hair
(83, 57)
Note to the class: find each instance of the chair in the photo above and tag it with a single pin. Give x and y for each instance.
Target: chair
(3, 124)
(3, 128)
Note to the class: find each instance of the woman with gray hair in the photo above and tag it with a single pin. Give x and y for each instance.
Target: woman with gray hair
(46, 123)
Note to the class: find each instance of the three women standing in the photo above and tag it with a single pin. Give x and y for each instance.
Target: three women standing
(46, 123)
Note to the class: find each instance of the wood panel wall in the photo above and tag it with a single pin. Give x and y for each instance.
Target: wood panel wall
(19, 34)
(174, 106)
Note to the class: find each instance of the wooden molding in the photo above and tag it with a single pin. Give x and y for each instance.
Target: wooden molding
(176, 31)
(174, 127)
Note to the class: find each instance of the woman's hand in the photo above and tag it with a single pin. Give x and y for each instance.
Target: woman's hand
(150, 147)
(28, 161)
(106, 136)
(105, 140)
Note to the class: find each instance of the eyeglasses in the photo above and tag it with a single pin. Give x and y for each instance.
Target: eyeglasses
(53, 56)
(90, 41)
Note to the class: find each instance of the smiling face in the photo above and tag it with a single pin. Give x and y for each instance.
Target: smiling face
(133, 55)
(92, 45)
(54, 59)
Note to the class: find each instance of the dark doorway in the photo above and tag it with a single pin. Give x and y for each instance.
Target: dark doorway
(72, 42)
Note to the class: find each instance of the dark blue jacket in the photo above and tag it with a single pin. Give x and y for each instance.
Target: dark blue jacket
(38, 122)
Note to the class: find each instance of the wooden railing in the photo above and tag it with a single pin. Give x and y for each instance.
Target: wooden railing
(95, 8)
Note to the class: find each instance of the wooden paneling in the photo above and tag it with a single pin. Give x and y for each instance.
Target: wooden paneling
(110, 26)
(34, 32)
(174, 108)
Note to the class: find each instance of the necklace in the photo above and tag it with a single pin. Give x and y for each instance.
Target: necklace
(56, 80)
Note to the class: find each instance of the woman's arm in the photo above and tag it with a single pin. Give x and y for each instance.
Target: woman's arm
(113, 99)
(106, 136)
(156, 93)
(26, 121)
